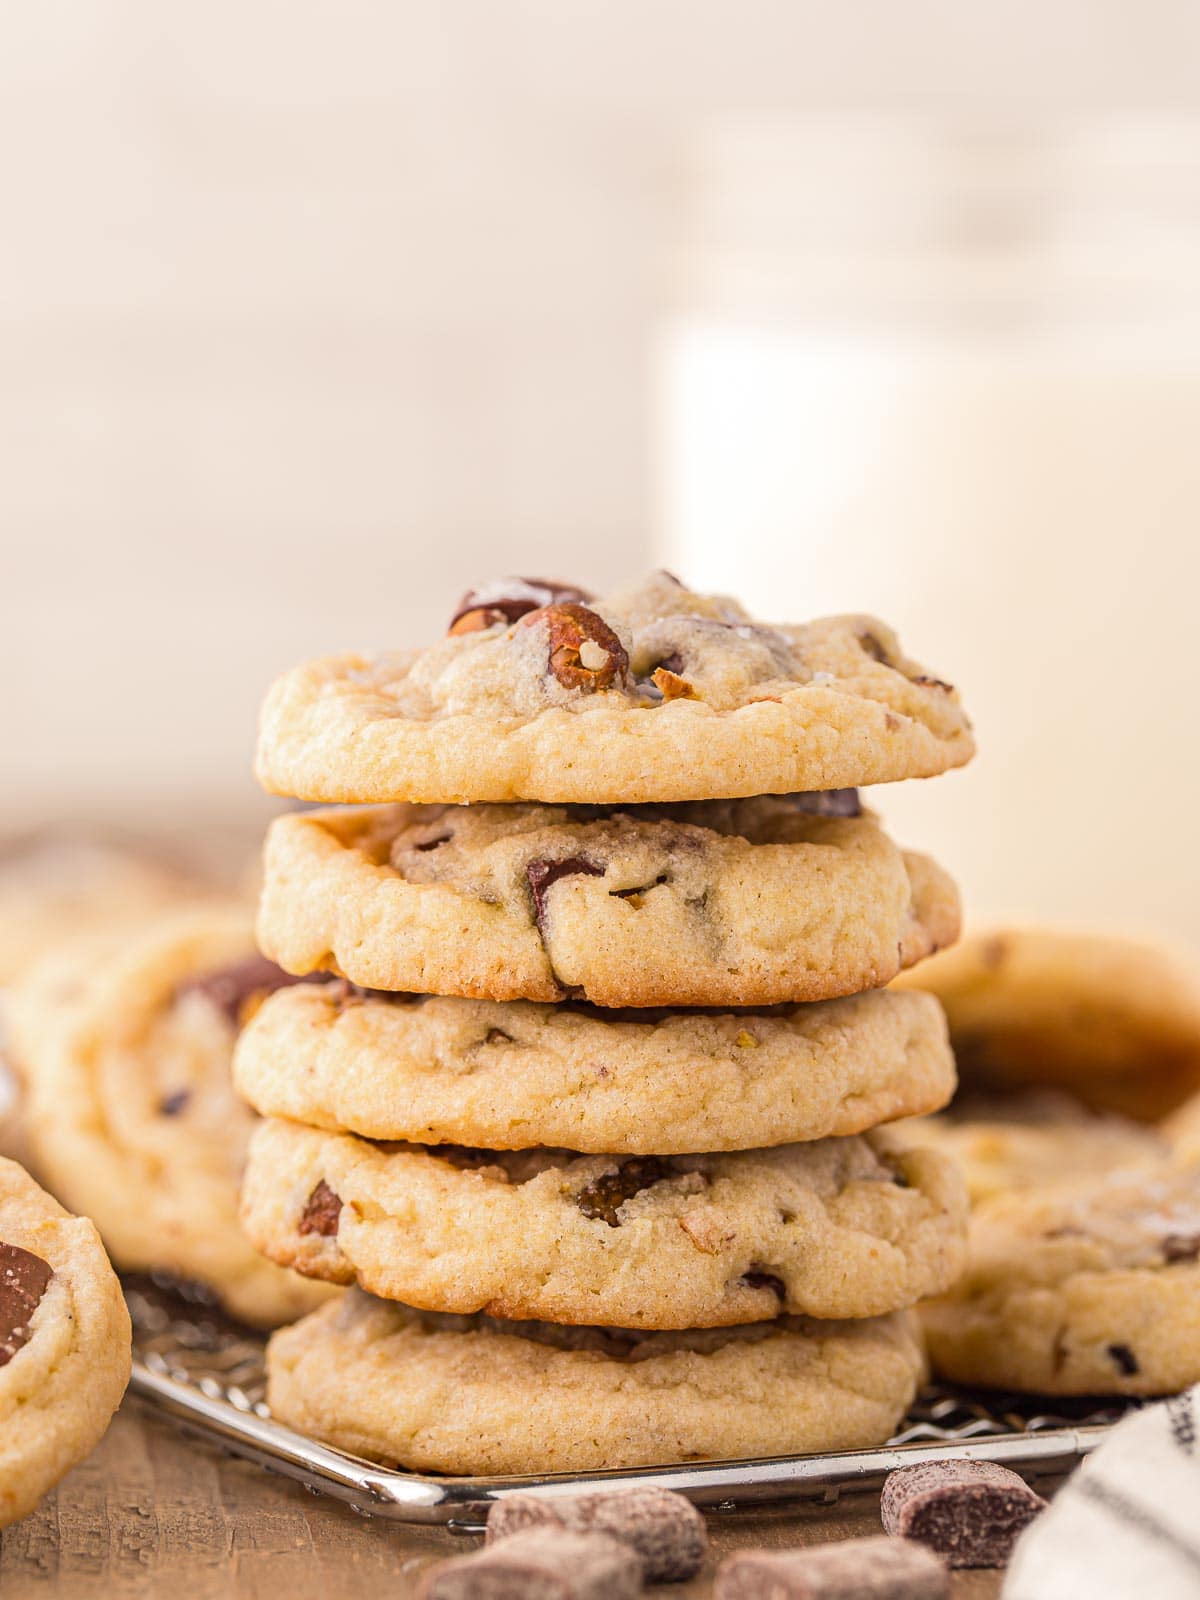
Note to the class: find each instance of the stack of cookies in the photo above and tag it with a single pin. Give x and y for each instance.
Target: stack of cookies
(588, 1112)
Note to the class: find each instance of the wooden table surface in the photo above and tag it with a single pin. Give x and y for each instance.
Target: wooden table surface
(155, 1513)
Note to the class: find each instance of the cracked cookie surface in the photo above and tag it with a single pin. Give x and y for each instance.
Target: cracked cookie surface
(837, 1228)
(506, 1075)
(1112, 1019)
(471, 1395)
(651, 694)
(64, 1341)
(737, 903)
(1090, 1288)
(125, 1043)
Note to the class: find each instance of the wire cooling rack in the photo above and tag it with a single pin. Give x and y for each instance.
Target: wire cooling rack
(207, 1373)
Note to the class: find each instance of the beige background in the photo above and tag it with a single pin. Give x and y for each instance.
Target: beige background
(312, 313)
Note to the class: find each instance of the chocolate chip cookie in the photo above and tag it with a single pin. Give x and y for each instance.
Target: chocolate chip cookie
(539, 692)
(737, 903)
(505, 1076)
(837, 1228)
(470, 1395)
(1113, 1020)
(1034, 1140)
(64, 1342)
(125, 1042)
(1092, 1288)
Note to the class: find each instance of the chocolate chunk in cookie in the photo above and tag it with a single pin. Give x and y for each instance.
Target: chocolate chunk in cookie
(24, 1279)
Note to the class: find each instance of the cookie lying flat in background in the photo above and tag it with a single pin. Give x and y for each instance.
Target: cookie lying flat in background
(472, 1395)
(1086, 1288)
(1033, 1140)
(125, 1041)
(64, 1342)
(539, 692)
(1112, 1020)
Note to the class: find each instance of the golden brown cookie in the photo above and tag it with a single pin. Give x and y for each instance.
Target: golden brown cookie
(471, 1395)
(836, 1228)
(654, 694)
(715, 904)
(508, 1075)
(1113, 1020)
(125, 1041)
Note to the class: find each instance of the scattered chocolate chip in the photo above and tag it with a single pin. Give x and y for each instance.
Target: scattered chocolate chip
(970, 1512)
(584, 653)
(24, 1279)
(321, 1212)
(1181, 1247)
(828, 803)
(601, 1199)
(665, 1529)
(855, 1569)
(757, 1279)
(508, 599)
(1123, 1358)
(230, 987)
(541, 874)
(172, 1104)
(544, 1563)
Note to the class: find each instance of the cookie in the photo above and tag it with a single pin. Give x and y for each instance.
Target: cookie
(1089, 1288)
(653, 694)
(1113, 1020)
(724, 903)
(125, 1043)
(470, 1395)
(510, 1075)
(840, 1228)
(64, 1342)
(1033, 1140)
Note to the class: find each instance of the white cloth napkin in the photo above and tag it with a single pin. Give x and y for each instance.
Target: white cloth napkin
(1127, 1523)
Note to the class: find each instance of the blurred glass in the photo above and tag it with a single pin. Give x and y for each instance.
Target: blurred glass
(952, 375)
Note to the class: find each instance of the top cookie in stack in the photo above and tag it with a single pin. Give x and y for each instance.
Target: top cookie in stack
(653, 695)
(662, 812)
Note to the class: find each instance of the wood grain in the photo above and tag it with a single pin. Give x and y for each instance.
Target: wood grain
(156, 1513)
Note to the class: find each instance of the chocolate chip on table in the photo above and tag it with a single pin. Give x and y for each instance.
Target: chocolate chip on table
(601, 1199)
(664, 1528)
(507, 600)
(321, 1212)
(541, 874)
(584, 651)
(1123, 1358)
(24, 1279)
(230, 987)
(539, 1564)
(970, 1512)
(855, 1569)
